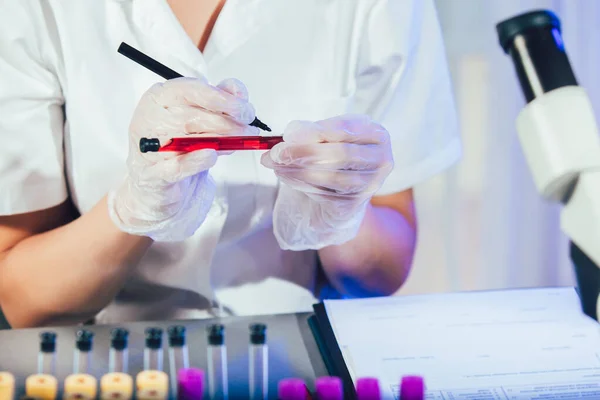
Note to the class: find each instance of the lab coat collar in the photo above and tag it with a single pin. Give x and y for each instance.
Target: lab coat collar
(238, 21)
(157, 22)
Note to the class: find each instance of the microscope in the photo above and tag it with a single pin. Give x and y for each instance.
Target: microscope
(559, 137)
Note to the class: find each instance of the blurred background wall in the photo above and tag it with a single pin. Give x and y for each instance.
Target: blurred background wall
(482, 223)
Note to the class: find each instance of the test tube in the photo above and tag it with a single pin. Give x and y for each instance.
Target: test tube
(412, 387)
(82, 360)
(118, 357)
(217, 363)
(7, 386)
(368, 389)
(222, 143)
(292, 389)
(258, 368)
(329, 388)
(178, 354)
(47, 353)
(190, 384)
(153, 354)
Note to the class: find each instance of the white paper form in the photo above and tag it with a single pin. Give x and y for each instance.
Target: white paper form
(524, 344)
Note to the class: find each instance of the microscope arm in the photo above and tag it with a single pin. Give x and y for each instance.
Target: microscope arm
(579, 221)
(559, 137)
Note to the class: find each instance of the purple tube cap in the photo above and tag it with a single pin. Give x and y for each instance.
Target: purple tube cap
(329, 388)
(368, 389)
(190, 384)
(291, 389)
(412, 387)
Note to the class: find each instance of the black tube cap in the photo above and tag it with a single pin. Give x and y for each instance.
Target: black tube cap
(47, 342)
(84, 340)
(119, 338)
(147, 145)
(507, 30)
(154, 338)
(176, 335)
(216, 335)
(258, 333)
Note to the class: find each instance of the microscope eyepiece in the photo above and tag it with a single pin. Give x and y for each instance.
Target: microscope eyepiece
(534, 42)
(508, 29)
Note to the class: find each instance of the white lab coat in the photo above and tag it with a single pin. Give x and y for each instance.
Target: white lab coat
(300, 59)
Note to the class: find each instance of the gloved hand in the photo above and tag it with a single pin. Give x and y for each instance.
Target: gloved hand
(329, 171)
(167, 196)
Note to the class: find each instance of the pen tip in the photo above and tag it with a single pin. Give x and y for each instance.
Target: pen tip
(260, 125)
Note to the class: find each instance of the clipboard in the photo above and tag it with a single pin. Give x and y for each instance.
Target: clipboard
(330, 350)
(552, 305)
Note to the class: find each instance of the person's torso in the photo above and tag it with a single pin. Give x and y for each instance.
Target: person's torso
(295, 58)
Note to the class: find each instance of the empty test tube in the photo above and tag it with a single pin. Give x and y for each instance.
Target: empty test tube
(258, 368)
(116, 386)
(7, 386)
(82, 360)
(47, 353)
(292, 389)
(178, 354)
(412, 387)
(81, 385)
(118, 357)
(153, 353)
(218, 386)
(329, 388)
(190, 384)
(368, 389)
(41, 387)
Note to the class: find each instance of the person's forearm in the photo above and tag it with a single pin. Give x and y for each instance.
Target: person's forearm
(68, 274)
(377, 261)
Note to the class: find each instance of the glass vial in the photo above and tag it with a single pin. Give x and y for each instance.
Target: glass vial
(118, 357)
(153, 353)
(218, 386)
(178, 354)
(47, 353)
(82, 361)
(258, 368)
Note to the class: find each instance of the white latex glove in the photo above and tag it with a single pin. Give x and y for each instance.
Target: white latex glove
(167, 195)
(329, 171)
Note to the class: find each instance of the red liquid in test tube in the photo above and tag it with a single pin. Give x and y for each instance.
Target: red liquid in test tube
(223, 143)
